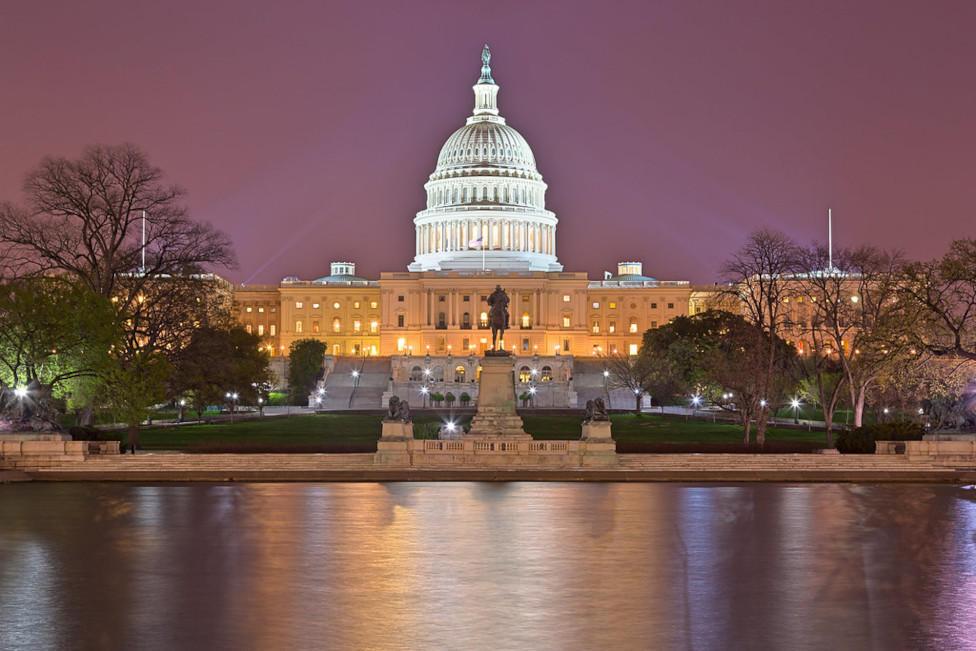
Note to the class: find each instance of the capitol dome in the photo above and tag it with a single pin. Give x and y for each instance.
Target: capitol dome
(485, 198)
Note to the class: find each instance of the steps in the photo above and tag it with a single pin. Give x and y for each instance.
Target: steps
(343, 390)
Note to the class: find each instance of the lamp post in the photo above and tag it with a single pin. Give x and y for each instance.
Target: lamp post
(695, 401)
(182, 406)
(423, 392)
(232, 399)
(606, 385)
(796, 411)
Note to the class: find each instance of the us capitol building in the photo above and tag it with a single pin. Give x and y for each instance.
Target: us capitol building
(485, 224)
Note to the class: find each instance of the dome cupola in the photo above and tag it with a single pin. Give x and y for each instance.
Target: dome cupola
(485, 198)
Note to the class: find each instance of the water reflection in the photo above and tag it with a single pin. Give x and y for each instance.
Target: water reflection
(470, 565)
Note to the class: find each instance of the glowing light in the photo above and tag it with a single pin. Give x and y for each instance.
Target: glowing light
(20, 392)
(423, 390)
(795, 403)
(762, 403)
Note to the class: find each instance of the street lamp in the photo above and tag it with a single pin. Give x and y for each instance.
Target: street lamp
(423, 391)
(606, 385)
(182, 406)
(695, 401)
(232, 398)
(796, 410)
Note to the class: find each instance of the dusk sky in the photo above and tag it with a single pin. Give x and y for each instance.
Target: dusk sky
(666, 131)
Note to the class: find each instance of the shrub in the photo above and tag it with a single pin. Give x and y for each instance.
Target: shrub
(861, 440)
(450, 398)
(437, 398)
(465, 398)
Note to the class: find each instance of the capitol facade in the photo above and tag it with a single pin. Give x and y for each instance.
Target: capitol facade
(485, 223)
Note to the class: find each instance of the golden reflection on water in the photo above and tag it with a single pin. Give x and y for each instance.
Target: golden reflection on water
(470, 565)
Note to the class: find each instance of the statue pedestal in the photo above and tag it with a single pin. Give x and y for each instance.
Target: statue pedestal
(596, 430)
(496, 417)
(397, 430)
(393, 448)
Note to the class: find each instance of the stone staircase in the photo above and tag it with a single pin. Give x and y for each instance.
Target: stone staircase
(345, 391)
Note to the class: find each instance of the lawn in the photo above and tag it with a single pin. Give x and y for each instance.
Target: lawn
(358, 432)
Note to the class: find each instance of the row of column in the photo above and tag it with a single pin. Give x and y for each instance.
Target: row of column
(505, 235)
(538, 307)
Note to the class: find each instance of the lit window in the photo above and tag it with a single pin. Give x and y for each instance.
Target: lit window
(633, 324)
(526, 322)
(613, 327)
(273, 310)
(565, 320)
(298, 326)
(613, 305)
(315, 306)
(261, 310)
(565, 298)
(299, 305)
(315, 326)
(373, 304)
(356, 305)
(596, 327)
(357, 326)
(271, 330)
(596, 305)
(248, 328)
(373, 326)
(249, 309)
(261, 330)
(525, 375)
(401, 344)
(546, 374)
(633, 349)
(336, 305)
(336, 325)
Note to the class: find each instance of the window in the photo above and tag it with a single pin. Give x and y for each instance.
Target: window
(299, 305)
(483, 320)
(466, 343)
(546, 374)
(633, 324)
(260, 330)
(596, 327)
(357, 326)
(526, 321)
(441, 320)
(459, 373)
(401, 344)
(271, 328)
(356, 305)
(633, 349)
(525, 298)
(484, 298)
(466, 299)
(565, 320)
(670, 306)
(273, 310)
(336, 325)
(653, 306)
(399, 320)
(260, 310)
(525, 375)
(399, 299)
(596, 305)
(315, 326)
(440, 343)
(466, 321)
(653, 324)
(565, 298)
(566, 345)
(438, 374)
(525, 344)
(374, 327)
(335, 305)
(315, 306)
(613, 327)
(373, 304)
(416, 373)
(298, 326)
(440, 299)
(248, 328)
(249, 310)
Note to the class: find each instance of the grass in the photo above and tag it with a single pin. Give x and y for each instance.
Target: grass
(359, 433)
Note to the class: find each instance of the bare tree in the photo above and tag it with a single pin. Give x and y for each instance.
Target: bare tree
(759, 275)
(84, 217)
(940, 296)
(851, 316)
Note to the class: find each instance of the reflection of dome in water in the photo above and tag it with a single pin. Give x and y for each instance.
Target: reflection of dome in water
(486, 199)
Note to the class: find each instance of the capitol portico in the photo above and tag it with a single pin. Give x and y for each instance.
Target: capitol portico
(485, 223)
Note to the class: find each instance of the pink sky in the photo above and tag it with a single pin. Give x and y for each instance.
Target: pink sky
(666, 131)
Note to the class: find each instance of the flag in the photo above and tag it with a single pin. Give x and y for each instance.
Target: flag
(476, 243)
